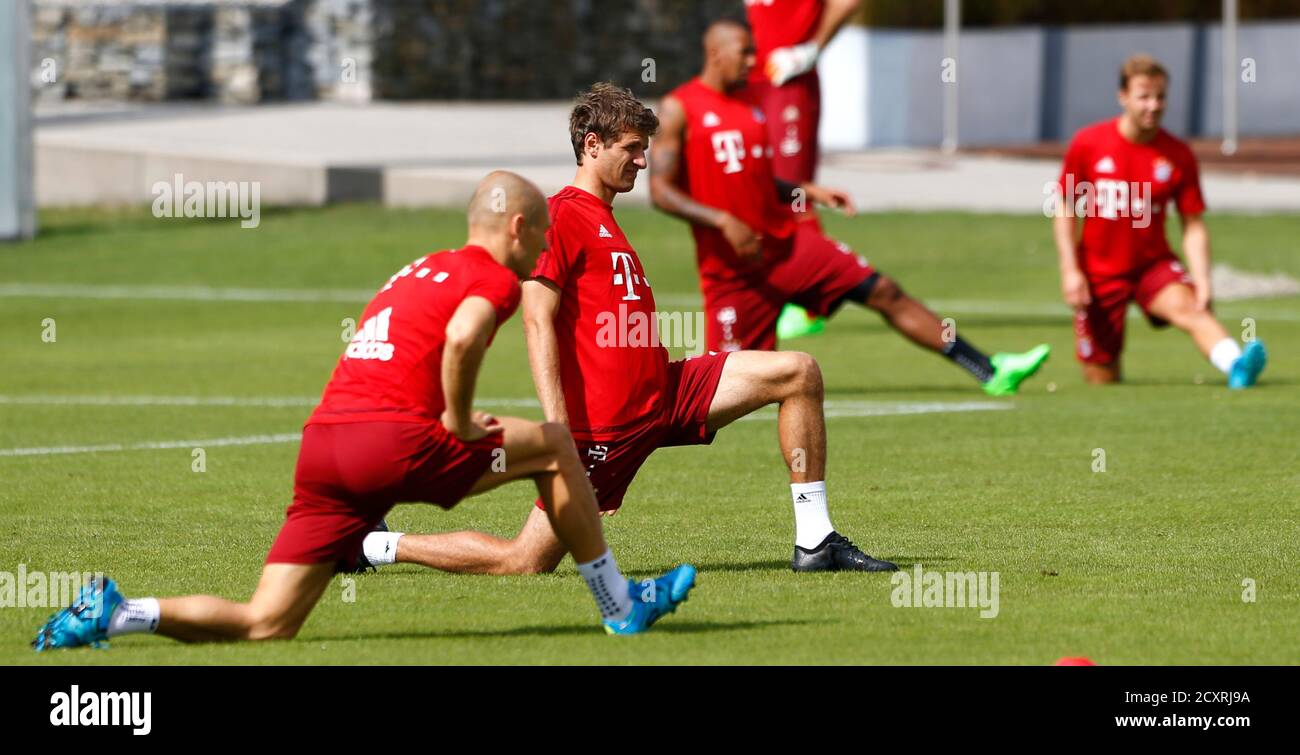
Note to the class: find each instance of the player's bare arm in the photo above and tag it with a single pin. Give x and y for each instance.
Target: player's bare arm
(468, 333)
(665, 166)
(817, 194)
(1065, 231)
(541, 300)
(1196, 249)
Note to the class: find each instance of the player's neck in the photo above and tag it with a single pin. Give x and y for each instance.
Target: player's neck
(591, 183)
(1134, 133)
(496, 246)
(713, 80)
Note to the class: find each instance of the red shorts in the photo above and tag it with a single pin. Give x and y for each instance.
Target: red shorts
(1099, 328)
(742, 311)
(793, 113)
(350, 475)
(612, 461)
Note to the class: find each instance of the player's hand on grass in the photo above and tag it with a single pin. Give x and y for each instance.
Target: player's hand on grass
(828, 197)
(479, 426)
(747, 243)
(1074, 288)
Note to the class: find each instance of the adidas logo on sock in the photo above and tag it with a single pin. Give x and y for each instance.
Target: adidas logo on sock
(802, 498)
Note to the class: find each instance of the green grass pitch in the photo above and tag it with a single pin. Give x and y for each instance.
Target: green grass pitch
(1143, 563)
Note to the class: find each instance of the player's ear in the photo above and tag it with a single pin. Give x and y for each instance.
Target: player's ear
(516, 225)
(591, 144)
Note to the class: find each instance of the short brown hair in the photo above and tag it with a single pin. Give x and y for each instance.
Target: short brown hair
(1140, 65)
(608, 111)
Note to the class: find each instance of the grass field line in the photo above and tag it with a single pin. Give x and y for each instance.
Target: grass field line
(361, 296)
(833, 410)
(182, 293)
(153, 445)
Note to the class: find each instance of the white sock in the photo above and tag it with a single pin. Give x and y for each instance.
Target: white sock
(136, 615)
(608, 586)
(1223, 354)
(812, 521)
(380, 548)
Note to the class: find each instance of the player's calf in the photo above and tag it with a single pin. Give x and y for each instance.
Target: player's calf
(1176, 304)
(1000, 374)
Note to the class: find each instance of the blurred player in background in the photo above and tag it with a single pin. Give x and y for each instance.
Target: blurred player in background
(623, 400)
(1121, 174)
(789, 35)
(395, 424)
(712, 167)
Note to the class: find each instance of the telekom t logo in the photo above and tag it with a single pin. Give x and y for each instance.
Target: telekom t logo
(626, 277)
(729, 148)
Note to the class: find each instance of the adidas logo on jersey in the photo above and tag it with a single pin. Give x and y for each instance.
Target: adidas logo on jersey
(711, 119)
(371, 340)
(604, 232)
(1105, 165)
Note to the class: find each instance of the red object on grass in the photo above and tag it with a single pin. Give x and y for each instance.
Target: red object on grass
(1068, 661)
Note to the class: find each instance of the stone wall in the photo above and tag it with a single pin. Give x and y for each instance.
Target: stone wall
(536, 49)
(240, 52)
(245, 51)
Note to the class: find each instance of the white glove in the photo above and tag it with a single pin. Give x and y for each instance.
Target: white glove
(785, 63)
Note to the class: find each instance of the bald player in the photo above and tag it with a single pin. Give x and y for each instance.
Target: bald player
(395, 424)
(711, 166)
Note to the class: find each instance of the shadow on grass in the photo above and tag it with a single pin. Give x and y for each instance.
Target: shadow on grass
(738, 566)
(1213, 383)
(132, 218)
(783, 565)
(671, 626)
(905, 562)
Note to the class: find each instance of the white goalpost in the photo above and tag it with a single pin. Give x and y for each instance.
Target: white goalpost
(17, 198)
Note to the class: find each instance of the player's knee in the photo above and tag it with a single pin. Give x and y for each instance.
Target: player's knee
(801, 374)
(885, 295)
(527, 562)
(272, 626)
(558, 441)
(521, 556)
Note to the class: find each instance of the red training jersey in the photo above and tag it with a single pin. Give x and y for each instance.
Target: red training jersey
(391, 371)
(727, 163)
(613, 368)
(1124, 189)
(780, 23)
